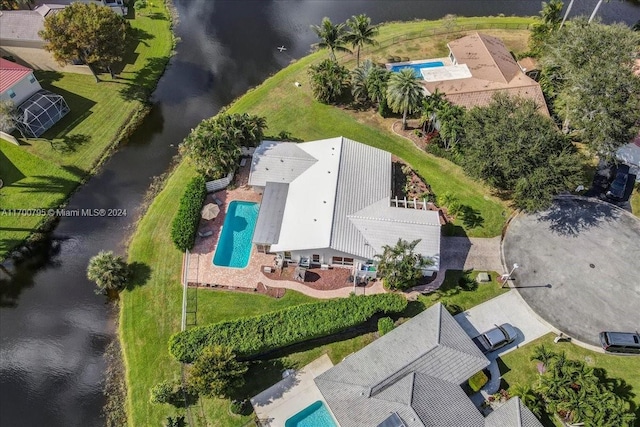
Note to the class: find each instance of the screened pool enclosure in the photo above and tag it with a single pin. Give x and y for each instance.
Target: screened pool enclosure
(39, 112)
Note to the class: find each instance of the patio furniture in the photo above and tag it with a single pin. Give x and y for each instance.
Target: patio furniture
(304, 262)
(205, 233)
(300, 274)
(243, 162)
(217, 201)
(210, 211)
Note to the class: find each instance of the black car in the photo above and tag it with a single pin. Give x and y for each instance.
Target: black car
(496, 338)
(618, 187)
(620, 342)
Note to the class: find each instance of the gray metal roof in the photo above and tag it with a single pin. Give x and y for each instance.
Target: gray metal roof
(380, 225)
(21, 25)
(364, 179)
(387, 375)
(513, 413)
(393, 421)
(275, 161)
(274, 199)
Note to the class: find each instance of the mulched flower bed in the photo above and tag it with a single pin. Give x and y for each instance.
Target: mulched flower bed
(322, 280)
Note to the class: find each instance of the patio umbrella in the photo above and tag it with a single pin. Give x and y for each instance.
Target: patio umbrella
(210, 211)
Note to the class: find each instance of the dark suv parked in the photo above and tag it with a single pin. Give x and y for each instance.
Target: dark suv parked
(618, 187)
(620, 342)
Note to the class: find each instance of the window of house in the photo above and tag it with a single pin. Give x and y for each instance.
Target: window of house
(315, 258)
(287, 255)
(11, 93)
(452, 58)
(32, 79)
(342, 260)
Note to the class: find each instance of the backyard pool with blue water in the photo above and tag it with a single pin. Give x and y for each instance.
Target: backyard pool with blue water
(417, 66)
(314, 415)
(234, 244)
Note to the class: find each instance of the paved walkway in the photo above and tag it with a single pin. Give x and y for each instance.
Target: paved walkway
(278, 403)
(463, 253)
(579, 266)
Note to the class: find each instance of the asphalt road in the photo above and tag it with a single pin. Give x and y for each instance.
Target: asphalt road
(579, 266)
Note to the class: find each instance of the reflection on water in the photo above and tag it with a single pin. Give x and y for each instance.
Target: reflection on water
(53, 328)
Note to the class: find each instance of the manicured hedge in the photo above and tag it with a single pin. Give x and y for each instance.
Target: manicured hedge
(385, 325)
(478, 380)
(251, 336)
(185, 223)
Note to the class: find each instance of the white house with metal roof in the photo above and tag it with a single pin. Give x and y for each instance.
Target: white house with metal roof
(411, 377)
(328, 202)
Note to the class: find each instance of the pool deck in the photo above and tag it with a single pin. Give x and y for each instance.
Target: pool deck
(278, 403)
(202, 270)
(446, 61)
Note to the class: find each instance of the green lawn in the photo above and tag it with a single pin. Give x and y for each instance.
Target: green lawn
(100, 114)
(635, 201)
(448, 294)
(28, 183)
(517, 368)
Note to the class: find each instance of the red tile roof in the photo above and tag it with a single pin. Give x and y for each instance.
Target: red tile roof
(11, 73)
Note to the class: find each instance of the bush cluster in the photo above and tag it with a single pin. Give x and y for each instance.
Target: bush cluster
(185, 223)
(385, 325)
(251, 336)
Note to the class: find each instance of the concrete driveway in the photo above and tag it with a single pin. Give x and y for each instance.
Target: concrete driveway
(507, 308)
(579, 266)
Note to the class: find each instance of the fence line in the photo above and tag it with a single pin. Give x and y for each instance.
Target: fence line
(219, 184)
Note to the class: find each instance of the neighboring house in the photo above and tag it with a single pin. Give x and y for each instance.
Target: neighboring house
(328, 202)
(17, 83)
(19, 34)
(412, 377)
(630, 154)
(481, 65)
(36, 109)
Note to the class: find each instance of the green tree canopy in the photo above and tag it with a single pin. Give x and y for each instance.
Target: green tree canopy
(588, 69)
(91, 33)
(360, 33)
(7, 111)
(217, 372)
(109, 271)
(404, 93)
(214, 145)
(514, 148)
(329, 81)
(331, 37)
(550, 20)
(400, 266)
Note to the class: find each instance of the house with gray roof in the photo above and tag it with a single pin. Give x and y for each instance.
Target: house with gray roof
(411, 377)
(328, 202)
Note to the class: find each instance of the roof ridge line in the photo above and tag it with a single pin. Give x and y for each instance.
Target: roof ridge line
(391, 219)
(480, 36)
(519, 411)
(421, 355)
(335, 198)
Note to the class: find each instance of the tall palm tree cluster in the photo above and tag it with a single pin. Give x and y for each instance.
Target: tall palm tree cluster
(573, 391)
(357, 32)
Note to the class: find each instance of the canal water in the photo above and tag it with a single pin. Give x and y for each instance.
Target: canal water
(53, 328)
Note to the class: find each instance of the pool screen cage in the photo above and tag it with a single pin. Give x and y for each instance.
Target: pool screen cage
(39, 112)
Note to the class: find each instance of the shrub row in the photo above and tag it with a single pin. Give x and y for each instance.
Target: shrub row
(251, 336)
(185, 223)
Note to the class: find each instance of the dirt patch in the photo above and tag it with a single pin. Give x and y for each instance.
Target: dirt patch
(260, 288)
(318, 279)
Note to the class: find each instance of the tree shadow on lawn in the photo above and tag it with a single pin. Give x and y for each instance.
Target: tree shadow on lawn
(80, 109)
(140, 88)
(69, 143)
(10, 173)
(140, 274)
(136, 37)
(47, 78)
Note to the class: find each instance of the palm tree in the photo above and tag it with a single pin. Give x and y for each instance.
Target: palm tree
(551, 12)
(331, 37)
(361, 33)
(529, 398)
(543, 354)
(377, 84)
(359, 79)
(430, 106)
(400, 266)
(404, 93)
(109, 271)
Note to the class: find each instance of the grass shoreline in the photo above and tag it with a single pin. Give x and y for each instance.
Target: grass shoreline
(151, 305)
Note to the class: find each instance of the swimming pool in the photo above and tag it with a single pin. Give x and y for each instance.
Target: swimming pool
(416, 67)
(234, 244)
(314, 415)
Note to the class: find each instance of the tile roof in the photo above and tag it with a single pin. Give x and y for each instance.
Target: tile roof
(493, 69)
(21, 25)
(414, 372)
(11, 73)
